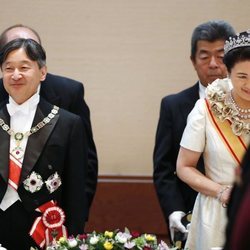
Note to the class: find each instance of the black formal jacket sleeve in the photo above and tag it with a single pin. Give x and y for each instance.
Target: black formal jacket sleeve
(173, 194)
(68, 94)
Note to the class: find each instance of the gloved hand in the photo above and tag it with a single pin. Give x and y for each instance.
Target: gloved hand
(175, 223)
(2, 248)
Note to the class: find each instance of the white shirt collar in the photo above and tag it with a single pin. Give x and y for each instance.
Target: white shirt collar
(202, 90)
(25, 107)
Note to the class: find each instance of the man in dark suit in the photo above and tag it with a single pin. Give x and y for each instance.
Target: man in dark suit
(238, 227)
(65, 93)
(175, 197)
(43, 155)
(240, 239)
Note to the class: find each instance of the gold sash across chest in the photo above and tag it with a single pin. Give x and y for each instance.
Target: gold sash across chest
(235, 144)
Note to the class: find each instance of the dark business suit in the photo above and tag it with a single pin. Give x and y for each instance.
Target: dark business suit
(239, 238)
(68, 94)
(173, 194)
(238, 227)
(60, 146)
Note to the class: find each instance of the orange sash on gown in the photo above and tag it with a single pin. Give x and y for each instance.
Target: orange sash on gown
(235, 144)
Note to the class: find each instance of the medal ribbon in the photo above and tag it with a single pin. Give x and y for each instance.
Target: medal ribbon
(15, 167)
(45, 234)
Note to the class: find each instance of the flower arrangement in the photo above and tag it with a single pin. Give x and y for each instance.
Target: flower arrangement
(115, 240)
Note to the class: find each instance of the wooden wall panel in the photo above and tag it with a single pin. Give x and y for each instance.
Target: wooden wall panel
(128, 54)
(127, 202)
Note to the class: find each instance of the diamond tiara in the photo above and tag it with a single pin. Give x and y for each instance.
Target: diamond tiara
(240, 40)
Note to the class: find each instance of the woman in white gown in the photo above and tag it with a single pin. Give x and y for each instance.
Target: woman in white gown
(219, 128)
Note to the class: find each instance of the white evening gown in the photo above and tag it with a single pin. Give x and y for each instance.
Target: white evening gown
(209, 217)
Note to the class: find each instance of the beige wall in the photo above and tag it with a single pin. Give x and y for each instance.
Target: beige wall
(129, 54)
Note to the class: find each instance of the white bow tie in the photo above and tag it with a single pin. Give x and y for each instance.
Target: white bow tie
(14, 108)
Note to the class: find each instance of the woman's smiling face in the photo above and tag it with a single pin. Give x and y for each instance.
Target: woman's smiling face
(240, 77)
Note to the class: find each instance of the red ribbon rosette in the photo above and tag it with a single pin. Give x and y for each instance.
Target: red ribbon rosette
(53, 217)
(49, 226)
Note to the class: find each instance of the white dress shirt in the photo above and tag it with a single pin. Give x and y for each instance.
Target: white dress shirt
(202, 90)
(21, 119)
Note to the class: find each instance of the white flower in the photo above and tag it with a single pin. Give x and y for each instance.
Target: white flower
(122, 237)
(163, 246)
(84, 247)
(129, 245)
(48, 248)
(72, 242)
(53, 182)
(33, 182)
(93, 240)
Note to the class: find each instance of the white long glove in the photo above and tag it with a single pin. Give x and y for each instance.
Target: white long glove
(175, 223)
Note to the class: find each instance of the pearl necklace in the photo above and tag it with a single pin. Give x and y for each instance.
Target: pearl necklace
(243, 113)
(18, 151)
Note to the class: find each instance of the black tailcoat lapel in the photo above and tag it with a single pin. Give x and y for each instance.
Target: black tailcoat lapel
(4, 153)
(37, 140)
(4, 146)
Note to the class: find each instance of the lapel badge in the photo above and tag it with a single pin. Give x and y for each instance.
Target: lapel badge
(53, 182)
(33, 182)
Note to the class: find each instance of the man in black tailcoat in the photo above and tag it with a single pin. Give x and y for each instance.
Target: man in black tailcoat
(66, 93)
(43, 156)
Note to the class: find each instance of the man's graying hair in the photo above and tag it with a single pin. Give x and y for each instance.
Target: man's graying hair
(210, 31)
(34, 50)
(3, 38)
